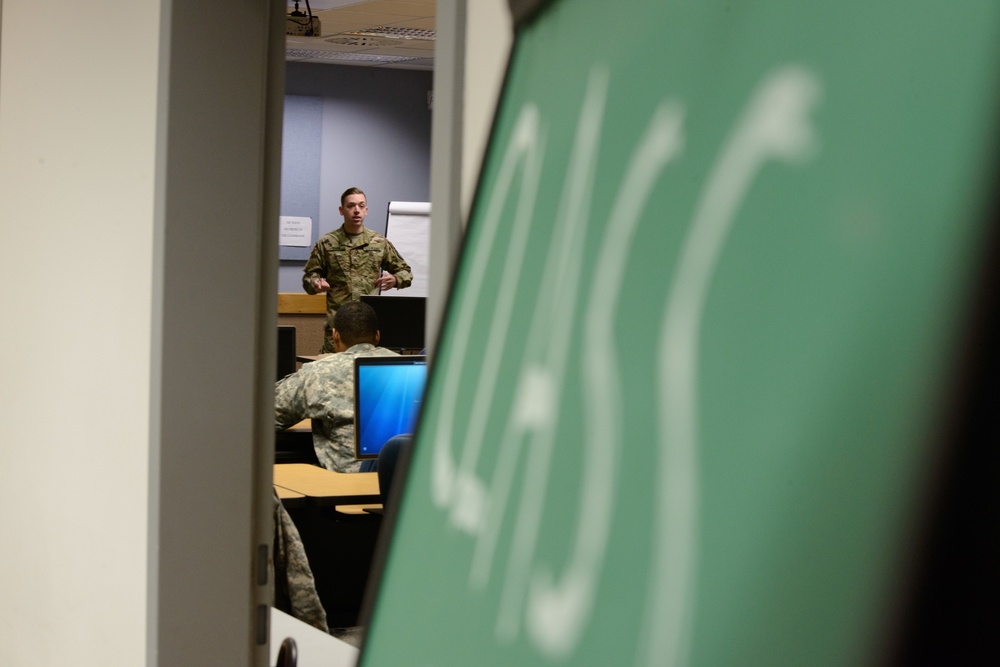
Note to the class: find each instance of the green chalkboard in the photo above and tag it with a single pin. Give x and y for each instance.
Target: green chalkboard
(696, 349)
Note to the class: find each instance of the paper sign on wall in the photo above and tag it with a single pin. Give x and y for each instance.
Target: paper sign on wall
(295, 231)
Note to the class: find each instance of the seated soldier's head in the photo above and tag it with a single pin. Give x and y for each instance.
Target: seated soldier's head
(353, 324)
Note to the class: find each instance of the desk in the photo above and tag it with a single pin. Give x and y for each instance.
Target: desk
(287, 495)
(326, 486)
(304, 426)
(295, 444)
(368, 508)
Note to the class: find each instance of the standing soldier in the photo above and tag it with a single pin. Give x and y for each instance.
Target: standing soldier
(351, 261)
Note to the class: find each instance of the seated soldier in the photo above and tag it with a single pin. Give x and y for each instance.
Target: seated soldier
(323, 390)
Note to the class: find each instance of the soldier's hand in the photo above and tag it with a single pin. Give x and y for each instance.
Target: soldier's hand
(386, 281)
(321, 285)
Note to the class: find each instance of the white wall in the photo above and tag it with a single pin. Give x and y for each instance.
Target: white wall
(489, 34)
(139, 176)
(473, 42)
(77, 138)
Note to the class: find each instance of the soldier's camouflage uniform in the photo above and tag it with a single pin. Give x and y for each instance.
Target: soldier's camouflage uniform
(323, 390)
(351, 264)
(294, 585)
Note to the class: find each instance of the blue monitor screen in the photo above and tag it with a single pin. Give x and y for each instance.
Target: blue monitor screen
(387, 392)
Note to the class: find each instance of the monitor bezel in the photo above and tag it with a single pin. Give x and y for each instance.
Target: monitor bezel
(389, 323)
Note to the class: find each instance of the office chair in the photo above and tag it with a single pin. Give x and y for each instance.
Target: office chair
(393, 452)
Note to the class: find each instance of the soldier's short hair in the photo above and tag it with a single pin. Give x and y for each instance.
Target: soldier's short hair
(356, 323)
(352, 191)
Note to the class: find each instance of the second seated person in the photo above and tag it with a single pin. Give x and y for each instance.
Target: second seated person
(323, 390)
(352, 260)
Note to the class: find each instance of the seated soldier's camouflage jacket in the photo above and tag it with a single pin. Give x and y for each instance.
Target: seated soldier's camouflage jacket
(323, 390)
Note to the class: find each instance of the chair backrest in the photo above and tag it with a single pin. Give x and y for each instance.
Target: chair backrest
(389, 458)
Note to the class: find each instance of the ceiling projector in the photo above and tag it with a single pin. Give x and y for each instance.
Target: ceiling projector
(300, 24)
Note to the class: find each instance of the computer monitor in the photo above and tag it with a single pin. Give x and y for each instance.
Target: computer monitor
(388, 392)
(400, 320)
(286, 350)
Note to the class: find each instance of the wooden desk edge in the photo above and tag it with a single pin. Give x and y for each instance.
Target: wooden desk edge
(300, 303)
(301, 477)
(287, 494)
(357, 509)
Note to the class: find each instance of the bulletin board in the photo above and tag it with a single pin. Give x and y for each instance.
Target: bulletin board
(300, 166)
